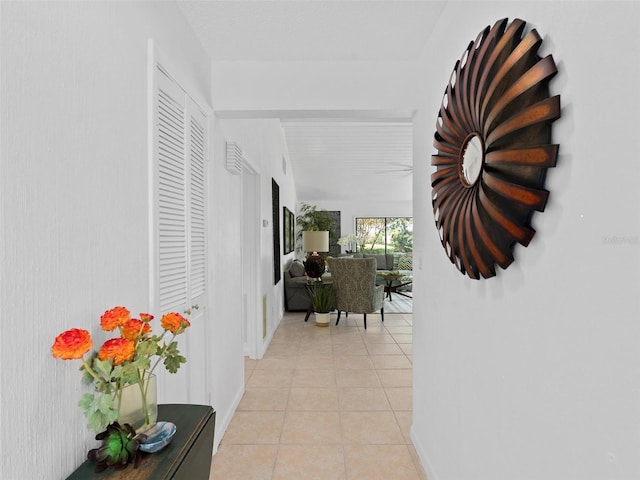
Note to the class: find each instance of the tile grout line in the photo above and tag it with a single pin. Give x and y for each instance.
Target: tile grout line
(340, 424)
(334, 384)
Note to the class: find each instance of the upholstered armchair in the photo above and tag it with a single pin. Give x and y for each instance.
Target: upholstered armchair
(354, 281)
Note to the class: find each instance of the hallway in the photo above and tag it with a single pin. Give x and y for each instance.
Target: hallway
(327, 404)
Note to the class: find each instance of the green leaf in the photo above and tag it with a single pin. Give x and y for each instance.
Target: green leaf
(98, 421)
(105, 404)
(103, 368)
(85, 402)
(142, 363)
(129, 373)
(117, 371)
(99, 409)
(105, 387)
(86, 378)
(172, 348)
(172, 362)
(147, 348)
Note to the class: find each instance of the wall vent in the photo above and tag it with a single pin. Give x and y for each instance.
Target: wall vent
(234, 158)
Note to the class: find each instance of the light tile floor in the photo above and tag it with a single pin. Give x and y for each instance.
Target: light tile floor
(326, 404)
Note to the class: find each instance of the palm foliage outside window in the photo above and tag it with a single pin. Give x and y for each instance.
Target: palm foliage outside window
(385, 234)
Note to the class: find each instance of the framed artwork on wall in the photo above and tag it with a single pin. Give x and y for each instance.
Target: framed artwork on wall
(275, 223)
(288, 229)
(292, 230)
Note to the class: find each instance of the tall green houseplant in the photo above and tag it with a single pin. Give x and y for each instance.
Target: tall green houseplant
(312, 219)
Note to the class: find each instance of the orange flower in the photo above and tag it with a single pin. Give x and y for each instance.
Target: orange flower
(113, 318)
(72, 344)
(174, 322)
(146, 317)
(133, 327)
(118, 349)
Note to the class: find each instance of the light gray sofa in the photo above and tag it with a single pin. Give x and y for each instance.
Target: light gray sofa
(296, 297)
(398, 263)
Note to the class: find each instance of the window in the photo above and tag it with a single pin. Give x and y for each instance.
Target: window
(385, 234)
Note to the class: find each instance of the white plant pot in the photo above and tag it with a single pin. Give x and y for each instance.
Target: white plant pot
(322, 319)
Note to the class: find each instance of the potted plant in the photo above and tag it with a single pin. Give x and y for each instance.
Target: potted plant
(122, 371)
(323, 300)
(312, 219)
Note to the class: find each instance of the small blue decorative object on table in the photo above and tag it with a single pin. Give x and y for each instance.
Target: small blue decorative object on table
(158, 436)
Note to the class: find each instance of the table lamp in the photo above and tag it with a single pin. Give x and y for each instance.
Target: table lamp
(312, 243)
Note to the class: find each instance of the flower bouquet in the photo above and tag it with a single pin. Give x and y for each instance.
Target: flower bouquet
(351, 242)
(121, 361)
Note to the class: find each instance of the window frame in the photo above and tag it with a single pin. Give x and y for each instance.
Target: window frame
(386, 221)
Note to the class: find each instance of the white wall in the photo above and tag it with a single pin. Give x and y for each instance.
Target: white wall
(534, 374)
(317, 86)
(262, 143)
(74, 208)
(225, 277)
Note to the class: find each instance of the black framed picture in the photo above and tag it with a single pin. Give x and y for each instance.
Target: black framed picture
(292, 230)
(288, 228)
(275, 202)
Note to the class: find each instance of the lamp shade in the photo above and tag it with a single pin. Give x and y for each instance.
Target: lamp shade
(313, 241)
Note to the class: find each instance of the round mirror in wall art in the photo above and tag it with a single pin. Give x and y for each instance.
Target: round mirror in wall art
(471, 159)
(493, 137)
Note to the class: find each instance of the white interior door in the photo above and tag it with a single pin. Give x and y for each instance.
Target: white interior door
(251, 311)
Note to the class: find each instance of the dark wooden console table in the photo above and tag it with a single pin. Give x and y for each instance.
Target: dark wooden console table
(188, 456)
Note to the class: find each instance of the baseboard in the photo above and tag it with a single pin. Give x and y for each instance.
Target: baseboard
(236, 401)
(267, 341)
(226, 421)
(422, 455)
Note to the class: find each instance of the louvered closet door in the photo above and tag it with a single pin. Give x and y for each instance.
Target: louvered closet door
(197, 204)
(196, 289)
(181, 151)
(172, 219)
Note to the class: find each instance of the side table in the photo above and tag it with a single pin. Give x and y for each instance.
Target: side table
(390, 288)
(393, 281)
(188, 455)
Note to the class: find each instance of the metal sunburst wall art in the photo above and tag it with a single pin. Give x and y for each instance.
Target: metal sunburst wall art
(493, 136)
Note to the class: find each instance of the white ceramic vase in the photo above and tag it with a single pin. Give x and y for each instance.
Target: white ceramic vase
(322, 319)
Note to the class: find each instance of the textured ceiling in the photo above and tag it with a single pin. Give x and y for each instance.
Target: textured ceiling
(340, 160)
(335, 159)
